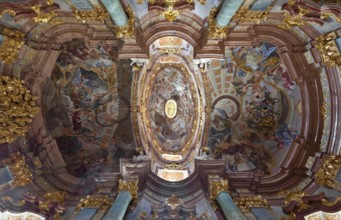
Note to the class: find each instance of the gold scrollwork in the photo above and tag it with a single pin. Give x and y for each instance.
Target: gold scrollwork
(328, 170)
(214, 31)
(47, 18)
(22, 174)
(9, 12)
(51, 197)
(327, 47)
(174, 166)
(294, 197)
(10, 200)
(290, 21)
(129, 29)
(246, 203)
(330, 203)
(10, 47)
(97, 14)
(247, 15)
(99, 202)
(17, 109)
(326, 15)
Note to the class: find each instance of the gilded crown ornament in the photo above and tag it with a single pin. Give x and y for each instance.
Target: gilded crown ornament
(17, 109)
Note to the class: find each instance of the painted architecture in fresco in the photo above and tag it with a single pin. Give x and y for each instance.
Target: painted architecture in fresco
(85, 104)
(252, 126)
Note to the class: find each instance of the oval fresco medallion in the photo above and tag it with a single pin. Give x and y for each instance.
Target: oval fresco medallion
(171, 109)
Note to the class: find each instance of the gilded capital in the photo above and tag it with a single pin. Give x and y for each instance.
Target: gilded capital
(216, 187)
(130, 186)
(129, 29)
(214, 31)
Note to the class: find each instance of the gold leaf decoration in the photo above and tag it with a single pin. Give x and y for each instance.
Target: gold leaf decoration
(327, 47)
(97, 14)
(328, 170)
(214, 31)
(129, 29)
(10, 47)
(17, 109)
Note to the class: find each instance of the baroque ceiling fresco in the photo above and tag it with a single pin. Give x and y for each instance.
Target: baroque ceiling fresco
(170, 109)
(254, 118)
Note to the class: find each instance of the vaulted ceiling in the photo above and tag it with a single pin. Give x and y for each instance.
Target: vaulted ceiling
(172, 92)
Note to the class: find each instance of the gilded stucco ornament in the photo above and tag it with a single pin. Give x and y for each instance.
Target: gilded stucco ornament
(129, 29)
(100, 202)
(247, 15)
(328, 170)
(294, 196)
(290, 21)
(327, 47)
(20, 171)
(96, 14)
(326, 15)
(173, 202)
(214, 31)
(9, 12)
(170, 14)
(10, 47)
(51, 203)
(290, 196)
(129, 186)
(47, 18)
(17, 109)
(216, 187)
(246, 203)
